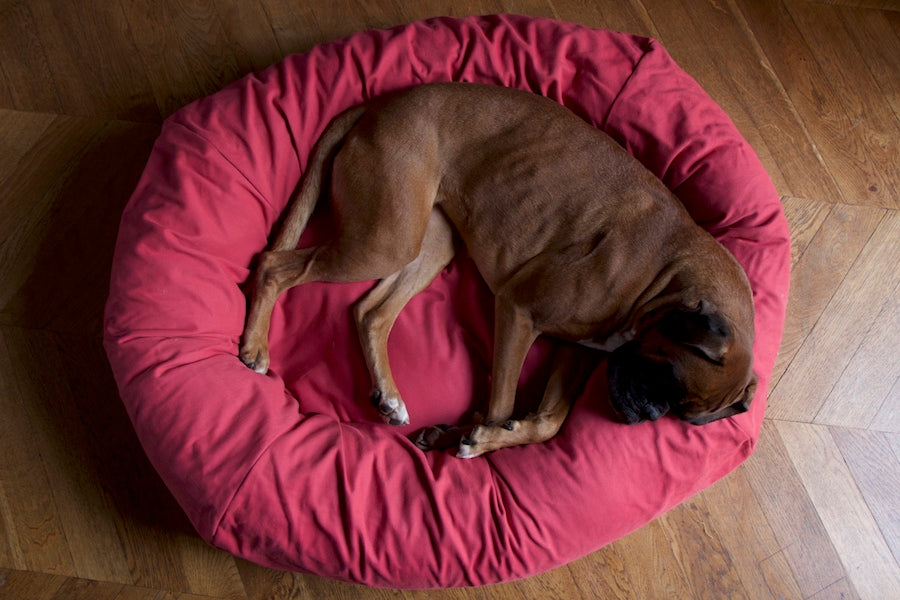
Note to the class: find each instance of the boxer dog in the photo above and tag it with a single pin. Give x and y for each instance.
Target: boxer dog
(574, 237)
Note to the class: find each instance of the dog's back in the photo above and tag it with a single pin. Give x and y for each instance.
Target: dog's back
(546, 183)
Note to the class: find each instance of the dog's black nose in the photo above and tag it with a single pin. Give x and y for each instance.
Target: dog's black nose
(629, 417)
(652, 412)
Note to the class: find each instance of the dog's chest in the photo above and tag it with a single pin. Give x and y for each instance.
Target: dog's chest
(613, 342)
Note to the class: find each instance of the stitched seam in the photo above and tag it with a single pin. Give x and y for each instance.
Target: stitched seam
(240, 486)
(212, 145)
(653, 46)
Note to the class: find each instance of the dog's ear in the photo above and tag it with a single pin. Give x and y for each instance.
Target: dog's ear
(702, 329)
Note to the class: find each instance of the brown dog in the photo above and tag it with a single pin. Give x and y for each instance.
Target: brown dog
(575, 238)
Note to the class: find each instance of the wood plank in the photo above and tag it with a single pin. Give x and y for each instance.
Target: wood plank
(872, 143)
(863, 388)
(250, 36)
(839, 590)
(261, 583)
(557, 583)
(32, 525)
(293, 25)
(879, 44)
(311, 586)
(65, 180)
(844, 323)
(10, 554)
(25, 69)
(25, 585)
(779, 577)
(791, 514)
(816, 276)
(148, 522)
(876, 472)
(55, 233)
(866, 557)
(339, 18)
(628, 16)
(209, 571)
(85, 589)
(739, 79)
(805, 217)
(72, 36)
(424, 9)
(129, 592)
(56, 430)
(21, 132)
(601, 574)
(651, 564)
(745, 535)
(879, 4)
(888, 418)
(183, 48)
(28, 197)
(859, 150)
(697, 545)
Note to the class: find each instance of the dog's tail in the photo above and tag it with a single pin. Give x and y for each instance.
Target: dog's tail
(304, 201)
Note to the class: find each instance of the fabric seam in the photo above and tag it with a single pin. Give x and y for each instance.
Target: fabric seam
(654, 44)
(237, 489)
(211, 144)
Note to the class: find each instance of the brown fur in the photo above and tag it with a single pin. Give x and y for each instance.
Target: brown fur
(575, 238)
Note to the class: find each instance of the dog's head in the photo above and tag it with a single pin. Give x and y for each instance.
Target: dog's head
(692, 362)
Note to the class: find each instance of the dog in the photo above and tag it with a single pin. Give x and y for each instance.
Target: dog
(574, 237)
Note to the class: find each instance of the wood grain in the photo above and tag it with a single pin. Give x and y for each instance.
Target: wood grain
(692, 533)
(59, 215)
(791, 514)
(815, 88)
(827, 242)
(34, 530)
(779, 577)
(831, 93)
(846, 516)
(740, 79)
(748, 537)
(876, 471)
(839, 332)
(862, 392)
(651, 565)
(879, 4)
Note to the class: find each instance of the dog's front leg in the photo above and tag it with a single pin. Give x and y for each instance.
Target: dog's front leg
(568, 375)
(514, 334)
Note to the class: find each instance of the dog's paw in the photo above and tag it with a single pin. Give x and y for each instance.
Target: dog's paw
(391, 407)
(483, 439)
(468, 447)
(437, 437)
(255, 357)
(487, 438)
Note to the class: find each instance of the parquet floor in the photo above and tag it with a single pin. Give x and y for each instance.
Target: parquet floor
(814, 86)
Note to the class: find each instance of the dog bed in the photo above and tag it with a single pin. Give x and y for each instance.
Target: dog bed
(295, 469)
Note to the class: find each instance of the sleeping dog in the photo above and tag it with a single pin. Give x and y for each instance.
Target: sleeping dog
(574, 237)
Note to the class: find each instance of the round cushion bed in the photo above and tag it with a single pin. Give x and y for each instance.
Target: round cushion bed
(295, 469)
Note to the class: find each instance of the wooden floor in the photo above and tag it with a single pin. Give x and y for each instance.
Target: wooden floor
(814, 86)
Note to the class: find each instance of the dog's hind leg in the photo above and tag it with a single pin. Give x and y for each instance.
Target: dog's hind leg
(277, 271)
(377, 311)
(350, 257)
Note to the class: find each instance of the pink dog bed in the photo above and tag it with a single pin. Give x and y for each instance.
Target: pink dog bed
(295, 469)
